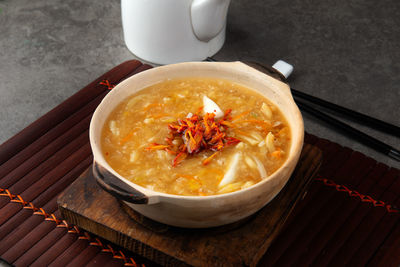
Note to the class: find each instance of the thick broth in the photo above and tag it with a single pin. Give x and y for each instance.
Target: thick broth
(143, 119)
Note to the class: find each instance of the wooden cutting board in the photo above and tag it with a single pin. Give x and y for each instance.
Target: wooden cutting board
(243, 243)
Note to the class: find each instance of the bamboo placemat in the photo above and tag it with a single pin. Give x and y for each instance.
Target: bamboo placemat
(347, 217)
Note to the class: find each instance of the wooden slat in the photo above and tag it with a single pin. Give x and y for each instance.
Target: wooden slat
(48, 196)
(59, 157)
(84, 256)
(358, 211)
(302, 204)
(103, 259)
(8, 210)
(328, 200)
(27, 241)
(310, 139)
(358, 236)
(61, 132)
(389, 251)
(337, 221)
(70, 253)
(9, 229)
(55, 250)
(334, 212)
(62, 111)
(317, 199)
(15, 221)
(40, 247)
(54, 175)
(31, 165)
(390, 247)
(137, 70)
(22, 230)
(381, 224)
(54, 189)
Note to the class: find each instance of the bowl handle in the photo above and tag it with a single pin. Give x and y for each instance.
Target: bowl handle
(267, 70)
(113, 185)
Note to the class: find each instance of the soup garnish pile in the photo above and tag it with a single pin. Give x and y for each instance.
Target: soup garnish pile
(196, 136)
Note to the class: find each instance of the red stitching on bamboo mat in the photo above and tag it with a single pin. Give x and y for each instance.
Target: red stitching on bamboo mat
(108, 84)
(364, 198)
(72, 229)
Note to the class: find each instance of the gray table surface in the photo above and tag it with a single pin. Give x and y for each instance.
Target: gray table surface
(344, 51)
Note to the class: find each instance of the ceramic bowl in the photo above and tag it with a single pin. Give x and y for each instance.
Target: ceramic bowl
(198, 211)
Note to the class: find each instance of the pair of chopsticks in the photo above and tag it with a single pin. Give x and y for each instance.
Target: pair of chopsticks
(284, 69)
(347, 129)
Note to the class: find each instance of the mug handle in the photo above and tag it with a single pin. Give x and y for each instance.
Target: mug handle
(208, 18)
(113, 185)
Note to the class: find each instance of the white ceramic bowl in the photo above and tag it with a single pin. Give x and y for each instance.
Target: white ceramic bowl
(198, 211)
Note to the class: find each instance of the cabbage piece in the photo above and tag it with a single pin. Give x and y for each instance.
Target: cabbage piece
(269, 142)
(261, 169)
(266, 110)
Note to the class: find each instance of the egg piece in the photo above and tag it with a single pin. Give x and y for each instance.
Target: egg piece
(230, 175)
(211, 107)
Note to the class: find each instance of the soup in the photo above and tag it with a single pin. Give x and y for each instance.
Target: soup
(196, 136)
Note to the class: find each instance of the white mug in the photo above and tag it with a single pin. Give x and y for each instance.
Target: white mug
(171, 31)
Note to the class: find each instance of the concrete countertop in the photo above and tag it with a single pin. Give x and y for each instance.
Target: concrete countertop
(344, 51)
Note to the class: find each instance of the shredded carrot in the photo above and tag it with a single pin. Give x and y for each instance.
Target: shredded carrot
(241, 115)
(207, 160)
(276, 154)
(152, 106)
(216, 171)
(128, 136)
(199, 110)
(181, 156)
(160, 115)
(243, 133)
(284, 130)
(260, 122)
(188, 176)
(264, 124)
(155, 146)
(191, 177)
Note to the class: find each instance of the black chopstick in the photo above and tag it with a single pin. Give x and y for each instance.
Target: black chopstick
(357, 116)
(352, 132)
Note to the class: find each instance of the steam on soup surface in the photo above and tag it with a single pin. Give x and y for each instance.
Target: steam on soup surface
(196, 136)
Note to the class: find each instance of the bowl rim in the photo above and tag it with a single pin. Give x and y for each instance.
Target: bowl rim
(295, 146)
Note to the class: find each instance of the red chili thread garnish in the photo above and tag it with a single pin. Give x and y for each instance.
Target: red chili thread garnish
(108, 84)
(195, 134)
